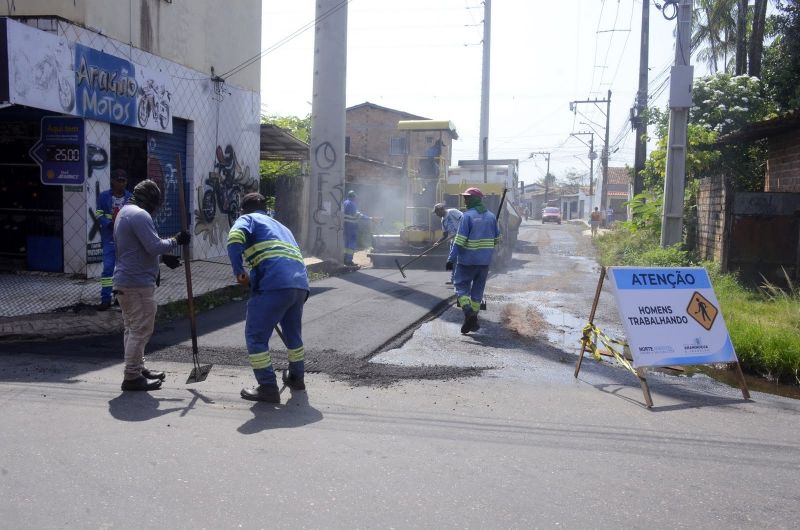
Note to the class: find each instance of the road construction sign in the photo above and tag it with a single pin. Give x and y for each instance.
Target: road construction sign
(671, 316)
(703, 311)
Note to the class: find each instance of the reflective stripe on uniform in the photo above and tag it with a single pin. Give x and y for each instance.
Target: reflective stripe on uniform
(107, 281)
(474, 244)
(464, 301)
(236, 236)
(260, 360)
(297, 354)
(273, 248)
(476, 306)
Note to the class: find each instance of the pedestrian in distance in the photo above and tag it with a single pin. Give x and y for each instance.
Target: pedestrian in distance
(351, 218)
(136, 277)
(278, 284)
(451, 217)
(595, 219)
(471, 254)
(109, 203)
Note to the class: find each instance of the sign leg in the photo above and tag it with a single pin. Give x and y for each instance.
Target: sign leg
(742, 382)
(591, 317)
(645, 388)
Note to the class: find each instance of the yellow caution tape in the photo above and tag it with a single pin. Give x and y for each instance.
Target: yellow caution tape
(591, 335)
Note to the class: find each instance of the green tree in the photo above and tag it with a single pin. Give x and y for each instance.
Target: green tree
(781, 73)
(300, 128)
(715, 32)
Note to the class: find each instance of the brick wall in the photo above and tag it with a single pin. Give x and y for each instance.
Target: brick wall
(370, 130)
(783, 165)
(712, 206)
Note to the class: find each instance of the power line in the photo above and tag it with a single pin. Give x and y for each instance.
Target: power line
(238, 68)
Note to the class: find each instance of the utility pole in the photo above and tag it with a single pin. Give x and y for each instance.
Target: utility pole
(637, 114)
(573, 106)
(680, 100)
(483, 141)
(592, 156)
(547, 175)
(326, 190)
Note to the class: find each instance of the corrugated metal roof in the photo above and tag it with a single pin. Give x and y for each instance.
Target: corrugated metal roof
(280, 144)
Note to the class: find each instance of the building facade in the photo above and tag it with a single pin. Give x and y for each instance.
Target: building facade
(381, 159)
(91, 86)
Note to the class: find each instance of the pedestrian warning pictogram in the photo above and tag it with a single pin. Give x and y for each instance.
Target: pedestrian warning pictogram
(702, 310)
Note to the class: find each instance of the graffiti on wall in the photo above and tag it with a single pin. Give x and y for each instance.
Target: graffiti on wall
(325, 159)
(96, 164)
(220, 196)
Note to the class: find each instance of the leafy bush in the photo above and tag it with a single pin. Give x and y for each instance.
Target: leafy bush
(625, 246)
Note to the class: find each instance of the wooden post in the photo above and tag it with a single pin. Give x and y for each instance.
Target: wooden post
(591, 318)
(186, 257)
(742, 382)
(645, 388)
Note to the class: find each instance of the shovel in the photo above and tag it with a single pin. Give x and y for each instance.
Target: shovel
(199, 373)
(402, 268)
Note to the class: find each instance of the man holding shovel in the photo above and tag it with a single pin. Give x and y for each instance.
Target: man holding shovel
(136, 276)
(451, 217)
(278, 284)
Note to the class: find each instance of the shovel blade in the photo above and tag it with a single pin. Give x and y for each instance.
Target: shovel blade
(199, 374)
(400, 268)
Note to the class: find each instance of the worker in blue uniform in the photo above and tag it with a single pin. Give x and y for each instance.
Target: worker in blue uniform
(109, 203)
(351, 218)
(278, 284)
(472, 253)
(451, 218)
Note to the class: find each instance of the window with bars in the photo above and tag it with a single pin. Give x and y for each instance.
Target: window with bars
(398, 145)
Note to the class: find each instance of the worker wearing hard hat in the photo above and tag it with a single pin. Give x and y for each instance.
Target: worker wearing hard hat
(471, 255)
(451, 217)
(351, 218)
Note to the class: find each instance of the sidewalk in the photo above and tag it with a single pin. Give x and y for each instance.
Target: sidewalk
(41, 306)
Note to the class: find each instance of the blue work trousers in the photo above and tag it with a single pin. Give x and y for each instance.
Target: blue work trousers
(469, 282)
(264, 311)
(107, 276)
(350, 241)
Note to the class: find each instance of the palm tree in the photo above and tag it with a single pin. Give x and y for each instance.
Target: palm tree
(715, 27)
(757, 38)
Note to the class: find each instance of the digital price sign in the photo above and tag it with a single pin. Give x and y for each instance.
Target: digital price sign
(60, 151)
(63, 153)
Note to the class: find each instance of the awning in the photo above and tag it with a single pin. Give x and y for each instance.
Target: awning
(280, 144)
(428, 125)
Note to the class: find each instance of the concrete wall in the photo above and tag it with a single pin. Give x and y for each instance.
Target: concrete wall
(198, 34)
(783, 165)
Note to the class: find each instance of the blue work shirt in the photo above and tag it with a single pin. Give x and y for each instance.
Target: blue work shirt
(476, 238)
(271, 252)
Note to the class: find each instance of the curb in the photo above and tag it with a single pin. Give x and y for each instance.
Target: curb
(84, 320)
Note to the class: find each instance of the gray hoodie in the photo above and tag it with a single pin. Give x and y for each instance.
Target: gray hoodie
(138, 248)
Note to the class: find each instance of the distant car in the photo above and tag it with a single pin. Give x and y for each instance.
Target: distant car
(551, 214)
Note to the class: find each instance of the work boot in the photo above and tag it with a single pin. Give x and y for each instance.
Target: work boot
(475, 325)
(293, 382)
(103, 306)
(141, 383)
(153, 374)
(268, 393)
(470, 321)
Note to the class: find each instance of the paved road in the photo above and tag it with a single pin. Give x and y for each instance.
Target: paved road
(521, 445)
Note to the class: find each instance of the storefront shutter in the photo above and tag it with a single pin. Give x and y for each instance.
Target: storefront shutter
(162, 149)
